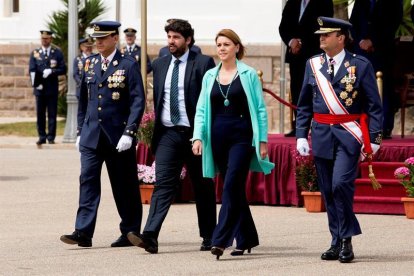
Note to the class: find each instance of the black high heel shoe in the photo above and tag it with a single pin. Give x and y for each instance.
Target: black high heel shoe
(239, 252)
(217, 251)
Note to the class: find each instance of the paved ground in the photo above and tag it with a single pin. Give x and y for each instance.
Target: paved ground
(38, 202)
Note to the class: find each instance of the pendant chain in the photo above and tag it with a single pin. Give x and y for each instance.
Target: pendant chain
(226, 101)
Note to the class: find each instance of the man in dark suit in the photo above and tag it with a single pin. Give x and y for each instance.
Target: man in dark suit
(177, 85)
(111, 106)
(165, 51)
(46, 64)
(339, 90)
(297, 32)
(375, 23)
(132, 49)
(85, 47)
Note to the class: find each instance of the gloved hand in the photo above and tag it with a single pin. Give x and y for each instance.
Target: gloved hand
(77, 142)
(375, 148)
(302, 146)
(40, 87)
(47, 72)
(124, 143)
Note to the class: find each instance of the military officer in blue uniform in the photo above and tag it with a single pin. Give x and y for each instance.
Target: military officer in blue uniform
(85, 47)
(111, 106)
(46, 64)
(133, 50)
(338, 93)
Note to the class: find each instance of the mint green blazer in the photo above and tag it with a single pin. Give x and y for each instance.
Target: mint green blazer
(257, 107)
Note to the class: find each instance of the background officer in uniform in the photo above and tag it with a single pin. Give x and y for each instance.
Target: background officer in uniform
(46, 64)
(85, 47)
(133, 50)
(111, 106)
(338, 87)
(177, 86)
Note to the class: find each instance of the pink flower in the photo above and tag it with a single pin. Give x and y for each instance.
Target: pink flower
(409, 161)
(402, 172)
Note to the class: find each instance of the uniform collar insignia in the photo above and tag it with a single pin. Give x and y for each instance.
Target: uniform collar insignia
(115, 62)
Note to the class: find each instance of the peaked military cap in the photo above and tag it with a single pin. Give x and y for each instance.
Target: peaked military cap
(330, 24)
(130, 31)
(104, 28)
(46, 34)
(87, 40)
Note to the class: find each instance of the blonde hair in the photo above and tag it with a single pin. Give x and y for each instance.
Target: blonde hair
(230, 34)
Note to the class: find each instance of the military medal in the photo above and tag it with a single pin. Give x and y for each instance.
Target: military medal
(87, 62)
(115, 96)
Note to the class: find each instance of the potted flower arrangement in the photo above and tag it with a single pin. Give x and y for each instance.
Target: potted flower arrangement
(406, 176)
(146, 178)
(306, 180)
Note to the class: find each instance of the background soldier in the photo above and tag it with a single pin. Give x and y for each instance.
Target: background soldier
(46, 64)
(85, 47)
(133, 50)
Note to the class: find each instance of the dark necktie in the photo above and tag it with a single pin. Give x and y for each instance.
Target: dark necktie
(331, 68)
(174, 111)
(46, 54)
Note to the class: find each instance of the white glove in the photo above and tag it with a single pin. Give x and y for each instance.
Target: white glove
(375, 148)
(40, 87)
(302, 146)
(124, 143)
(47, 72)
(77, 142)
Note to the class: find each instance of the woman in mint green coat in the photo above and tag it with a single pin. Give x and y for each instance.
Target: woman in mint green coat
(230, 132)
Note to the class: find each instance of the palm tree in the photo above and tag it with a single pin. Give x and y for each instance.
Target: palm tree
(88, 10)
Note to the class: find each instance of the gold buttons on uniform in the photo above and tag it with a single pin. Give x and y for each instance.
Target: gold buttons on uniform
(100, 96)
(100, 85)
(99, 108)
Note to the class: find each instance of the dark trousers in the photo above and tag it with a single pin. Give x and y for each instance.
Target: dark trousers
(232, 151)
(336, 180)
(173, 151)
(122, 171)
(297, 72)
(46, 103)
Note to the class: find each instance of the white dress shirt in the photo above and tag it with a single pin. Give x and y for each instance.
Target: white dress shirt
(165, 113)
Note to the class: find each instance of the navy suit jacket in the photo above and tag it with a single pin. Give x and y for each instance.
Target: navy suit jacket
(38, 63)
(113, 102)
(197, 66)
(290, 26)
(366, 100)
(136, 54)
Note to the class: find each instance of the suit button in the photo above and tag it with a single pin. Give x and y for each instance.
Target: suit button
(99, 108)
(100, 85)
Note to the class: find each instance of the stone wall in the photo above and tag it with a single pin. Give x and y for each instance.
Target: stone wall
(17, 100)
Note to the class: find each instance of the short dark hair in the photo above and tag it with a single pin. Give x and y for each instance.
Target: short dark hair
(348, 37)
(182, 27)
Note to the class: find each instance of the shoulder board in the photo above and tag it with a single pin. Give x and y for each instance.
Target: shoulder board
(360, 57)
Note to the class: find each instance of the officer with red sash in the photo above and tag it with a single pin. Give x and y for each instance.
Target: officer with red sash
(340, 103)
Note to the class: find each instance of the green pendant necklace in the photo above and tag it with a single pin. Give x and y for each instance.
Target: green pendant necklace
(226, 101)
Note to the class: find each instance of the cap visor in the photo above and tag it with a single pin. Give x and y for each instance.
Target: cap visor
(95, 35)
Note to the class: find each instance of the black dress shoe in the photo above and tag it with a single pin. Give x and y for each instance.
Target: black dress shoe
(331, 254)
(78, 238)
(292, 133)
(122, 241)
(386, 135)
(205, 245)
(40, 142)
(149, 244)
(346, 254)
(240, 252)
